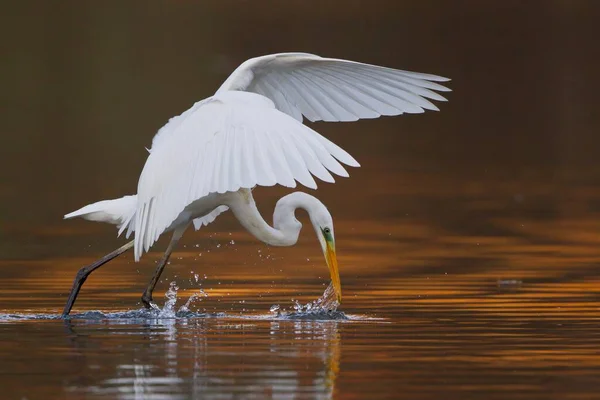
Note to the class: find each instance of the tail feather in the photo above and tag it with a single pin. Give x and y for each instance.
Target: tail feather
(122, 213)
(118, 212)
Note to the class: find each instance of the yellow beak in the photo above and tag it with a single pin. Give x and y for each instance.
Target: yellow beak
(333, 270)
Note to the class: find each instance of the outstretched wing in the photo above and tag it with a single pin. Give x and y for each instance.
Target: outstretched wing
(230, 141)
(327, 89)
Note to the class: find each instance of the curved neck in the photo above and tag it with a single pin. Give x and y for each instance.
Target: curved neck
(286, 227)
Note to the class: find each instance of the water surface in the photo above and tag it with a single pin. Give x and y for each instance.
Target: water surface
(456, 325)
(468, 241)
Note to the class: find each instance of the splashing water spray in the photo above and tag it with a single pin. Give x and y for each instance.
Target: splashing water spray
(327, 303)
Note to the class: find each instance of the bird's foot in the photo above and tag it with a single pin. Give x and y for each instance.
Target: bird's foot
(147, 301)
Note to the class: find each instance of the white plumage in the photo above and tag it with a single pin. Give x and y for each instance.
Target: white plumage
(239, 139)
(232, 140)
(328, 89)
(250, 133)
(117, 212)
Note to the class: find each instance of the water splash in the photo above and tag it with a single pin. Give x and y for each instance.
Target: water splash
(195, 296)
(326, 303)
(324, 308)
(274, 309)
(168, 310)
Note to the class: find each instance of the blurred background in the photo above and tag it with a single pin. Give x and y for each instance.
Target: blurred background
(503, 177)
(473, 231)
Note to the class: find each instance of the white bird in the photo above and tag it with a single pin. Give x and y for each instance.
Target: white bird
(206, 160)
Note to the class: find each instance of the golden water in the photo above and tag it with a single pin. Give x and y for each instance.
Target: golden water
(468, 240)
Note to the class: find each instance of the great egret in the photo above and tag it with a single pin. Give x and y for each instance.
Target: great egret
(250, 133)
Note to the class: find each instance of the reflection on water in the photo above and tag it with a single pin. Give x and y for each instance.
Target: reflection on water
(468, 241)
(426, 353)
(496, 315)
(194, 358)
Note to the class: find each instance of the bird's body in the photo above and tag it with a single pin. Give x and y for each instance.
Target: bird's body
(203, 211)
(250, 133)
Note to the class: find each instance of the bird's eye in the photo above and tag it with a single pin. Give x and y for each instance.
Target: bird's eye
(327, 230)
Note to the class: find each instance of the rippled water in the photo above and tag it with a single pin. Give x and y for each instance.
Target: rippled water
(468, 241)
(452, 325)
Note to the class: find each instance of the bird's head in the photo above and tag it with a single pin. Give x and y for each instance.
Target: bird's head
(285, 221)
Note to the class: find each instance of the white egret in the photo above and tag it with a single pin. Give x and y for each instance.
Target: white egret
(206, 160)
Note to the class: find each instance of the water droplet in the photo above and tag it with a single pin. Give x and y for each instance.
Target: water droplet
(168, 308)
(274, 308)
(297, 305)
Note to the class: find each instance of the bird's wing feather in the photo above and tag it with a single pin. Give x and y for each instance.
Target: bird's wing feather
(230, 141)
(210, 217)
(327, 89)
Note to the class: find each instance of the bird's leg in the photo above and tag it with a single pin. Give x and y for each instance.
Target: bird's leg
(84, 272)
(147, 296)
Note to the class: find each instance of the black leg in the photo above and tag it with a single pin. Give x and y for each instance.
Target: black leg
(147, 296)
(84, 272)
